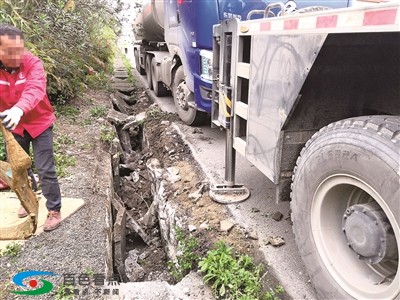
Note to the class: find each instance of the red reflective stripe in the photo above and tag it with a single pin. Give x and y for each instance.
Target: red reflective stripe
(380, 17)
(291, 24)
(327, 21)
(265, 26)
(180, 1)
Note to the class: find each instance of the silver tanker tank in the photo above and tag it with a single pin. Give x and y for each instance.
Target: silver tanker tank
(149, 24)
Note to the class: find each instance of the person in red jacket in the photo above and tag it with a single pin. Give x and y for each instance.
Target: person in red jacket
(25, 110)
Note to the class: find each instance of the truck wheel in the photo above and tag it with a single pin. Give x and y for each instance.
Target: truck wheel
(159, 89)
(346, 208)
(148, 72)
(137, 63)
(182, 95)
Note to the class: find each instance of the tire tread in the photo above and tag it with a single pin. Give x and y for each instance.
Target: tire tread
(385, 126)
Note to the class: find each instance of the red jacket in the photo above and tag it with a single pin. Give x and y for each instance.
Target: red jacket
(26, 89)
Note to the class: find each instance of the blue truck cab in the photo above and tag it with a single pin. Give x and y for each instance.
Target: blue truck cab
(194, 22)
(175, 51)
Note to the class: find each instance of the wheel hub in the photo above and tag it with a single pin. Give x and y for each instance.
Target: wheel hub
(181, 96)
(369, 233)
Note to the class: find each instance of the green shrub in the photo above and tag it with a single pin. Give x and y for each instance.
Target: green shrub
(231, 277)
(187, 258)
(74, 42)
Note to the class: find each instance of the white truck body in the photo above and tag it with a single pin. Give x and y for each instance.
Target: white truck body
(312, 99)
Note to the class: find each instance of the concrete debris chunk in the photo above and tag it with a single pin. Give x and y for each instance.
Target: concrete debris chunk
(226, 225)
(275, 241)
(133, 270)
(253, 235)
(172, 175)
(204, 226)
(192, 228)
(135, 176)
(150, 220)
(166, 123)
(195, 196)
(125, 140)
(144, 255)
(154, 166)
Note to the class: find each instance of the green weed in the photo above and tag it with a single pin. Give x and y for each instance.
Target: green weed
(231, 277)
(89, 272)
(273, 293)
(153, 113)
(106, 134)
(67, 111)
(12, 250)
(187, 258)
(98, 81)
(63, 160)
(65, 140)
(98, 112)
(65, 292)
(128, 67)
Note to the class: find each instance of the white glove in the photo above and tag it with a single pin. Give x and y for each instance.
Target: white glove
(11, 117)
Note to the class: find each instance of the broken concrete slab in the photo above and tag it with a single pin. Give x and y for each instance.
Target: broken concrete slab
(150, 219)
(119, 235)
(137, 120)
(122, 85)
(191, 287)
(121, 74)
(130, 221)
(125, 140)
(121, 105)
(131, 100)
(125, 88)
(118, 118)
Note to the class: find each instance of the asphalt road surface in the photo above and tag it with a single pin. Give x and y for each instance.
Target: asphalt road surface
(254, 214)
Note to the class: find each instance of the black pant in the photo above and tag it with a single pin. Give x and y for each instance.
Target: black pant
(43, 156)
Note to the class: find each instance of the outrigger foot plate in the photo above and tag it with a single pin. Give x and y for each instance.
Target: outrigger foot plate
(225, 194)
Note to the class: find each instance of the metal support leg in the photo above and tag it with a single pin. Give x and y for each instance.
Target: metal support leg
(229, 193)
(230, 159)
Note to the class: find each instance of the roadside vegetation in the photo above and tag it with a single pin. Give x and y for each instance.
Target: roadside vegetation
(11, 250)
(230, 275)
(74, 38)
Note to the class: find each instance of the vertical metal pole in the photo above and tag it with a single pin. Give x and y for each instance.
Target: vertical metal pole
(230, 156)
(230, 153)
